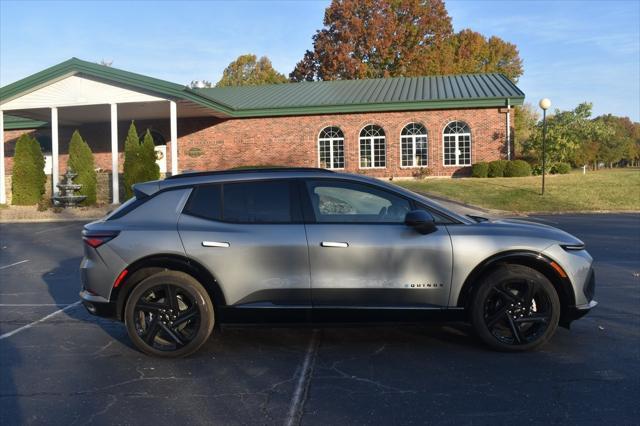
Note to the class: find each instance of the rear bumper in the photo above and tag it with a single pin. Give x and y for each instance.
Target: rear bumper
(98, 305)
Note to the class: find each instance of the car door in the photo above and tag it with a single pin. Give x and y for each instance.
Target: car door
(251, 237)
(361, 254)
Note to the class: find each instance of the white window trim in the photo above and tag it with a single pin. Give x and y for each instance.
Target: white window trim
(331, 140)
(413, 147)
(369, 140)
(457, 139)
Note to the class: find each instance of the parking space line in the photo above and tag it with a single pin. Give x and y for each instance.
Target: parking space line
(16, 305)
(300, 393)
(43, 319)
(13, 264)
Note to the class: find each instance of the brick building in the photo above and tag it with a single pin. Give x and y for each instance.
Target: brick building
(380, 127)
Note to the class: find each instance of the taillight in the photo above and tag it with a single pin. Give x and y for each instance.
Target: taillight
(97, 238)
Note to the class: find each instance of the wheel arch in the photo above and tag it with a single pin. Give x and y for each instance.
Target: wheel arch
(147, 266)
(534, 260)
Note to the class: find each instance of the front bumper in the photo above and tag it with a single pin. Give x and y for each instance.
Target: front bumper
(98, 305)
(572, 313)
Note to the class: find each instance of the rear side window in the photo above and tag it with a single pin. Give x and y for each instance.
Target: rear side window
(205, 202)
(258, 202)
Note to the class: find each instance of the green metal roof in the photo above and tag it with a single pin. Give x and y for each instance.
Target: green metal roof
(322, 97)
(372, 94)
(75, 66)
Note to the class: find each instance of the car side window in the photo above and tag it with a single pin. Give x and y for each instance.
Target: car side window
(340, 201)
(205, 202)
(258, 202)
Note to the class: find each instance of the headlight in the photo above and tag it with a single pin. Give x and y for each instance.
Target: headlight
(573, 247)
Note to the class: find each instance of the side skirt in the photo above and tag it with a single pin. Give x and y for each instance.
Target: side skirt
(306, 315)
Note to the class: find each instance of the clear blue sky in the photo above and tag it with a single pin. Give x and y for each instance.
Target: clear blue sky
(572, 50)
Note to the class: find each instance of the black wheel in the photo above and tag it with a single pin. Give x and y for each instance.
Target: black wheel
(169, 314)
(515, 308)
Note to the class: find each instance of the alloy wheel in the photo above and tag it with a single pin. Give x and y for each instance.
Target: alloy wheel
(166, 317)
(517, 312)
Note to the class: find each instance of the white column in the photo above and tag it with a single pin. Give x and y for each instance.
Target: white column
(3, 191)
(54, 149)
(173, 112)
(114, 154)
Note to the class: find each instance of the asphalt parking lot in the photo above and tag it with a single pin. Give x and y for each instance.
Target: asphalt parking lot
(72, 368)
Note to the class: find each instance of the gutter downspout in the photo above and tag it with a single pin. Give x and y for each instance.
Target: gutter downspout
(508, 129)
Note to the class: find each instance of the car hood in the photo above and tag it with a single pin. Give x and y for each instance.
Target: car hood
(525, 228)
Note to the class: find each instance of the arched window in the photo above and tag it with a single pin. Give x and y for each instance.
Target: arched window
(331, 148)
(373, 150)
(457, 144)
(414, 145)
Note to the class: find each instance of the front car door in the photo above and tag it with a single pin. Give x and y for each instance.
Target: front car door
(251, 237)
(361, 254)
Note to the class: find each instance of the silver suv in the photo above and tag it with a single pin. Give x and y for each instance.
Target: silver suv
(303, 245)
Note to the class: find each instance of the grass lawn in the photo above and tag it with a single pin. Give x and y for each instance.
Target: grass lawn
(613, 190)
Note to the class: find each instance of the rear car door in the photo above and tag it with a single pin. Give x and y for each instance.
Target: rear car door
(251, 237)
(361, 253)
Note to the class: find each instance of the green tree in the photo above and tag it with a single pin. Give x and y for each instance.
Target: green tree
(389, 38)
(248, 70)
(569, 133)
(81, 161)
(28, 178)
(525, 119)
(139, 160)
(131, 160)
(149, 167)
(471, 52)
(621, 141)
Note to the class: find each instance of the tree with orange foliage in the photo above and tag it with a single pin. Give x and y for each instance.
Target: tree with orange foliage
(389, 38)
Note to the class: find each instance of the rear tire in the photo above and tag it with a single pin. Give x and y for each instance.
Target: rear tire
(515, 308)
(169, 315)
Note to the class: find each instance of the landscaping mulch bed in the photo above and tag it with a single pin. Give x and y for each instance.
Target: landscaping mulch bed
(31, 214)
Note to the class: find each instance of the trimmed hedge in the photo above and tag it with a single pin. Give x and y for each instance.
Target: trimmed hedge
(561, 168)
(149, 169)
(131, 160)
(496, 168)
(28, 178)
(139, 160)
(81, 161)
(517, 168)
(480, 170)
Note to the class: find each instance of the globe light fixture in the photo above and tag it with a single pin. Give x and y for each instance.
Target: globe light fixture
(545, 104)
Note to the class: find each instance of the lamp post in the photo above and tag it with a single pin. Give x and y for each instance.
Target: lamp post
(545, 104)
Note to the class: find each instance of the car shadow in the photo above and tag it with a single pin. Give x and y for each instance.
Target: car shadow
(58, 282)
(11, 361)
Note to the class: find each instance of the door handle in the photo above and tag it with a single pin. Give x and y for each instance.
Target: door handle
(334, 244)
(215, 244)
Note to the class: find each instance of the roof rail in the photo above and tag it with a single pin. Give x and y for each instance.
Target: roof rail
(254, 170)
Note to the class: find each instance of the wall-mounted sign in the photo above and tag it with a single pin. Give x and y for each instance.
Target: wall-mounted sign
(194, 152)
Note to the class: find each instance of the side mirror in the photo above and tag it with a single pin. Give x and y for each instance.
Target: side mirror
(422, 221)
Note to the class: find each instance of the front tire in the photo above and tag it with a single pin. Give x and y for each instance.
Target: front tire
(169, 314)
(515, 308)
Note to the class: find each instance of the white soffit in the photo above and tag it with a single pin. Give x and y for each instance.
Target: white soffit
(76, 91)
